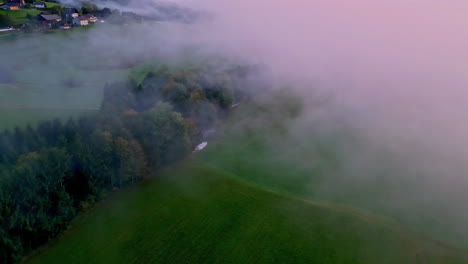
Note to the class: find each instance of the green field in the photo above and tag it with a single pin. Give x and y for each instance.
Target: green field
(36, 88)
(31, 98)
(19, 16)
(40, 65)
(51, 4)
(261, 194)
(321, 162)
(39, 93)
(37, 85)
(28, 102)
(194, 214)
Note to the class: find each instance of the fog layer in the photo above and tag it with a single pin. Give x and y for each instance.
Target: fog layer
(396, 68)
(393, 70)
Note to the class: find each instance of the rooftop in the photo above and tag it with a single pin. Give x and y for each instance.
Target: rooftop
(52, 17)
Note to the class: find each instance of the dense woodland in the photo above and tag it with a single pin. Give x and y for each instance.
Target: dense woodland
(50, 172)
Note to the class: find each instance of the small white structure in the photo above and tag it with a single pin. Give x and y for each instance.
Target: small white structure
(201, 146)
(39, 5)
(6, 29)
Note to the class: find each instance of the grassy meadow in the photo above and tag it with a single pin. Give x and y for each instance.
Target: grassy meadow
(20, 16)
(261, 146)
(62, 74)
(27, 101)
(195, 214)
(262, 192)
(43, 86)
(248, 198)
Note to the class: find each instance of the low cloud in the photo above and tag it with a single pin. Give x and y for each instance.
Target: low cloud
(394, 71)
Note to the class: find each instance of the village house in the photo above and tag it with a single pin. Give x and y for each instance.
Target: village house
(80, 21)
(49, 19)
(70, 13)
(91, 18)
(39, 5)
(11, 6)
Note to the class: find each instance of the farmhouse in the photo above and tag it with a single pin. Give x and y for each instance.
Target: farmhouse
(70, 13)
(39, 5)
(80, 21)
(91, 18)
(11, 6)
(49, 19)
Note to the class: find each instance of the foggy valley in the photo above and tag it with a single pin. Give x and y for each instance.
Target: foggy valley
(217, 131)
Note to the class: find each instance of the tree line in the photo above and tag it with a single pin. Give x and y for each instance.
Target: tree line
(6, 20)
(51, 171)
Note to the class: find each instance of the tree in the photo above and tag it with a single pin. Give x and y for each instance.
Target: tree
(10, 246)
(178, 96)
(19, 140)
(206, 115)
(49, 172)
(139, 161)
(123, 153)
(58, 9)
(8, 153)
(106, 12)
(89, 6)
(132, 163)
(6, 21)
(166, 137)
(98, 161)
(41, 207)
(149, 91)
(85, 10)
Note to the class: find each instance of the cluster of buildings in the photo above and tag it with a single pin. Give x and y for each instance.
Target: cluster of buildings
(17, 4)
(13, 4)
(70, 17)
(85, 20)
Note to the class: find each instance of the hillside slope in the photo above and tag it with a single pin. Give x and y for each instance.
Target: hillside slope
(195, 214)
